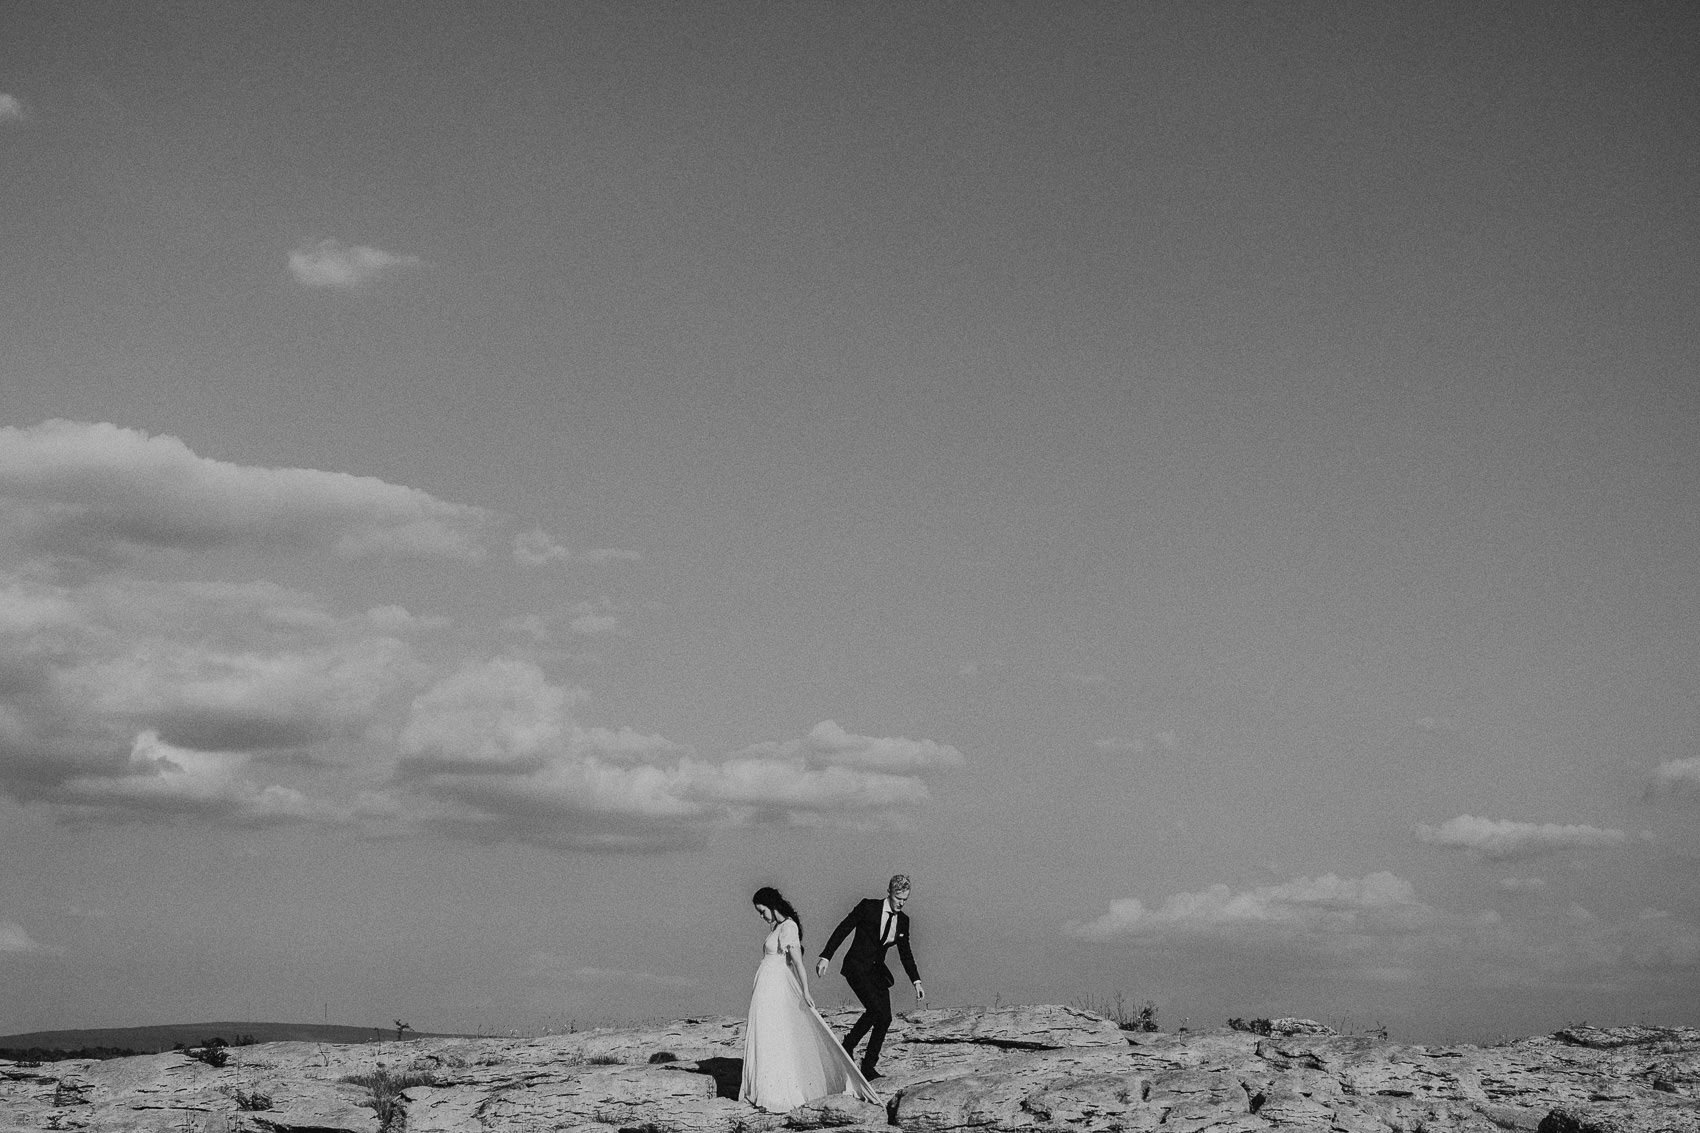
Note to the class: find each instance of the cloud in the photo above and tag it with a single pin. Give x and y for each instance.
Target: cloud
(98, 491)
(11, 110)
(124, 697)
(210, 698)
(13, 938)
(330, 263)
(206, 664)
(399, 620)
(600, 618)
(161, 780)
(1505, 840)
(1136, 745)
(561, 967)
(135, 685)
(1376, 928)
(1304, 906)
(496, 715)
(1679, 777)
(829, 744)
(537, 547)
(495, 749)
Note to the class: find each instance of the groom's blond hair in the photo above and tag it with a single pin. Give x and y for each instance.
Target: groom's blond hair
(898, 882)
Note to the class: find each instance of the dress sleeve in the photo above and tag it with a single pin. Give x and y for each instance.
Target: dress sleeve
(788, 936)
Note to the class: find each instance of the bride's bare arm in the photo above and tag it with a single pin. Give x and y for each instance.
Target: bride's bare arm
(794, 956)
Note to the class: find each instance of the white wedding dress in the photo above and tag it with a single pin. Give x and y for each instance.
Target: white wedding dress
(790, 1055)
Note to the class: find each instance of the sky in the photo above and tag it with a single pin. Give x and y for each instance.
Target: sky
(1205, 489)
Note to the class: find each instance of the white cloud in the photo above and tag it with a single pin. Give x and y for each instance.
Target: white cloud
(185, 697)
(11, 110)
(98, 490)
(216, 666)
(560, 966)
(13, 938)
(211, 698)
(1677, 777)
(600, 618)
(1376, 928)
(330, 263)
(1303, 906)
(792, 785)
(501, 714)
(1505, 840)
(537, 547)
(495, 747)
(829, 744)
(123, 697)
(162, 779)
(1138, 745)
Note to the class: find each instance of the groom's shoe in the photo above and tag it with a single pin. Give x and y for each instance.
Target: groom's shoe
(870, 1073)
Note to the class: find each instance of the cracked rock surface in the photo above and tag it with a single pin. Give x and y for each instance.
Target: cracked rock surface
(1041, 1069)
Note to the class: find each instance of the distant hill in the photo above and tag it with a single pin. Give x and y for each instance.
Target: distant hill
(149, 1040)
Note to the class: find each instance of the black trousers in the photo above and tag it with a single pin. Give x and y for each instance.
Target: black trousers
(871, 989)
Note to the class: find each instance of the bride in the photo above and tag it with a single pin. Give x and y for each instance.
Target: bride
(790, 1055)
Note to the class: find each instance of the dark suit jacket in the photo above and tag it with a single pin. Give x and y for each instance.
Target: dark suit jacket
(866, 952)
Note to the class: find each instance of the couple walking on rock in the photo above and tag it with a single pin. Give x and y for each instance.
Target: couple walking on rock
(791, 1056)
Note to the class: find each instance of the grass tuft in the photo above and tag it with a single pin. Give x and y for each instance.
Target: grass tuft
(1140, 1018)
(386, 1087)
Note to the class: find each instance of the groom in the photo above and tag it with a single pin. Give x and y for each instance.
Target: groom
(878, 925)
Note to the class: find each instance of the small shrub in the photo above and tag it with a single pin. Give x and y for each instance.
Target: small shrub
(1254, 1026)
(604, 1060)
(1140, 1018)
(252, 1100)
(386, 1088)
(211, 1055)
(663, 1056)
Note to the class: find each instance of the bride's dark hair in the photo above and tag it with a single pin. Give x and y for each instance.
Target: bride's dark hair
(773, 899)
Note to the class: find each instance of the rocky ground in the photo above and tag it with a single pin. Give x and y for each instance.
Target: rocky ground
(1005, 1070)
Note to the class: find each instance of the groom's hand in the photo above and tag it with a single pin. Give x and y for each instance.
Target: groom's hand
(820, 966)
(920, 992)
